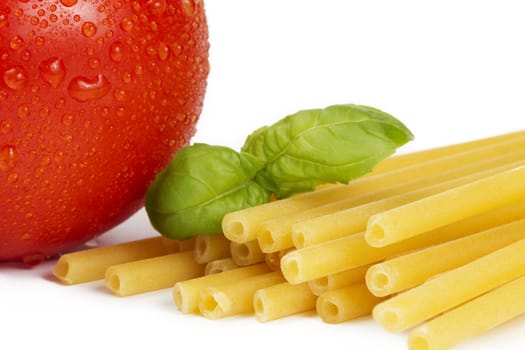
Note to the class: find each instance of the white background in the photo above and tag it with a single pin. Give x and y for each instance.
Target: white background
(450, 70)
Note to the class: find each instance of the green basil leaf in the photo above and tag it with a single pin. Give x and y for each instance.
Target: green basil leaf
(313, 147)
(200, 185)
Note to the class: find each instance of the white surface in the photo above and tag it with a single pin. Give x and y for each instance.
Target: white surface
(450, 70)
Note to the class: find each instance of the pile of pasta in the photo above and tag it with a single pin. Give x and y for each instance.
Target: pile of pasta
(431, 243)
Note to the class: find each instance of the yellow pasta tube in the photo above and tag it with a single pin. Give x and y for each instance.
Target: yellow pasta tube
(220, 265)
(342, 279)
(348, 252)
(176, 246)
(452, 288)
(444, 208)
(247, 253)
(407, 271)
(235, 298)
(282, 300)
(404, 160)
(186, 293)
(91, 264)
(347, 303)
(152, 274)
(356, 219)
(475, 317)
(211, 247)
(276, 234)
(245, 225)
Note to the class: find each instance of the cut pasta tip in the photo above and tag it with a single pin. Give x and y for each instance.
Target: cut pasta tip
(61, 271)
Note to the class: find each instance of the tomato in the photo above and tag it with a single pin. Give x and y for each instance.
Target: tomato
(95, 97)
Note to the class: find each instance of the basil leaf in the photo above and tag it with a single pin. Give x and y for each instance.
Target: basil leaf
(200, 185)
(335, 144)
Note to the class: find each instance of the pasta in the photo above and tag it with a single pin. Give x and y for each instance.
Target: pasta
(152, 274)
(356, 219)
(431, 240)
(176, 246)
(443, 208)
(244, 225)
(406, 271)
(470, 319)
(186, 293)
(342, 279)
(443, 151)
(352, 251)
(247, 253)
(220, 265)
(281, 300)
(451, 288)
(211, 247)
(346, 303)
(276, 234)
(236, 297)
(91, 264)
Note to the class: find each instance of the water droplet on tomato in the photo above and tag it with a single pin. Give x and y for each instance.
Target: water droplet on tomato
(52, 71)
(67, 119)
(23, 111)
(25, 55)
(163, 52)
(5, 127)
(68, 3)
(94, 62)
(126, 77)
(15, 78)
(8, 157)
(89, 29)
(116, 51)
(156, 7)
(126, 24)
(119, 94)
(84, 89)
(188, 7)
(4, 23)
(12, 178)
(16, 42)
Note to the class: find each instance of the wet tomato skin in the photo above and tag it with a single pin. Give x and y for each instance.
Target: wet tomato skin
(95, 97)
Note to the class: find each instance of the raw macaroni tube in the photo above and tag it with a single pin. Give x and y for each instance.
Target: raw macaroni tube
(406, 271)
(452, 288)
(152, 274)
(444, 208)
(211, 247)
(235, 298)
(247, 253)
(346, 303)
(276, 234)
(408, 159)
(91, 264)
(356, 219)
(281, 300)
(352, 251)
(475, 317)
(339, 280)
(220, 265)
(186, 293)
(177, 246)
(244, 225)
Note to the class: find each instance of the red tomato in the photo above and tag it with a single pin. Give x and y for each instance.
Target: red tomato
(95, 96)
